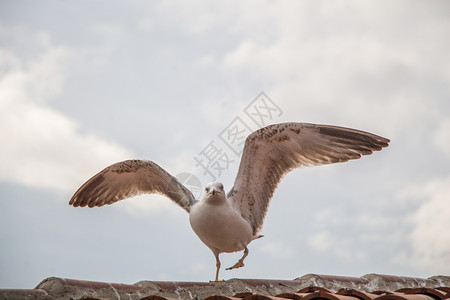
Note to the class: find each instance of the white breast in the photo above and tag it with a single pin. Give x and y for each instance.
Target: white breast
(220, 227)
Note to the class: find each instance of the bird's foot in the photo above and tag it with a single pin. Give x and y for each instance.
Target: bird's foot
(216, 281)
(236, 265)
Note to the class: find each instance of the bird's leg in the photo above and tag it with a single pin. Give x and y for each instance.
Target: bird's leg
(240, 262)
(217, 267)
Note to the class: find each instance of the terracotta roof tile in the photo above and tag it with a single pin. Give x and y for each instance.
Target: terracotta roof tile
(217, 297)
(154, 297)
(308, 287)
(21, 294)
(435, 293)
(402, 296)
(357, 294)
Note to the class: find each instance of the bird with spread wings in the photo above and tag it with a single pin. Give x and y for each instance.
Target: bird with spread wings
(228, 222)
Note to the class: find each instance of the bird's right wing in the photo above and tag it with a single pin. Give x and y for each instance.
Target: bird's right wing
(130, 178)
(271, 152)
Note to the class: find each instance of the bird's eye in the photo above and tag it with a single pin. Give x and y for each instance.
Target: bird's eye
(206, 189)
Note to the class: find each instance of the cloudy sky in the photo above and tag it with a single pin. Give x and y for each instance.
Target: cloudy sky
(84, 84)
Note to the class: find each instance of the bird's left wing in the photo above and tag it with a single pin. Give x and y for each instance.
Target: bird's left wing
(271, 152)
(130, 178)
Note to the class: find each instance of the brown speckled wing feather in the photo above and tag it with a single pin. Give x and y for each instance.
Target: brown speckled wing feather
(130, 178)
(273, 151)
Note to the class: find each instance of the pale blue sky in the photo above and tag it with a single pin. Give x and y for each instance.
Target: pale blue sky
(84, 84)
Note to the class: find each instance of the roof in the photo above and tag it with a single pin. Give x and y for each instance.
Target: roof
(308, 287)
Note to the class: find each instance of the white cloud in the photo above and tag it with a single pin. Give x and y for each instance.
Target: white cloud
(343, 66)
(142, 205)
(338, 245)
(45, 148)
(321, 241)
(41, 147)
(338, 76)
(197, 17)
(278, 249)
(442, 137)
(430, 238)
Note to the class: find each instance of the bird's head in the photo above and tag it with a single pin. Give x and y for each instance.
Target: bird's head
(214, 192)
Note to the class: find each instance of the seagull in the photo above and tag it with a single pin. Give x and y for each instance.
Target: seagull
(228, 222)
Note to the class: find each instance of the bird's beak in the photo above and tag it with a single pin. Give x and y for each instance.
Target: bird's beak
(214, 191)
